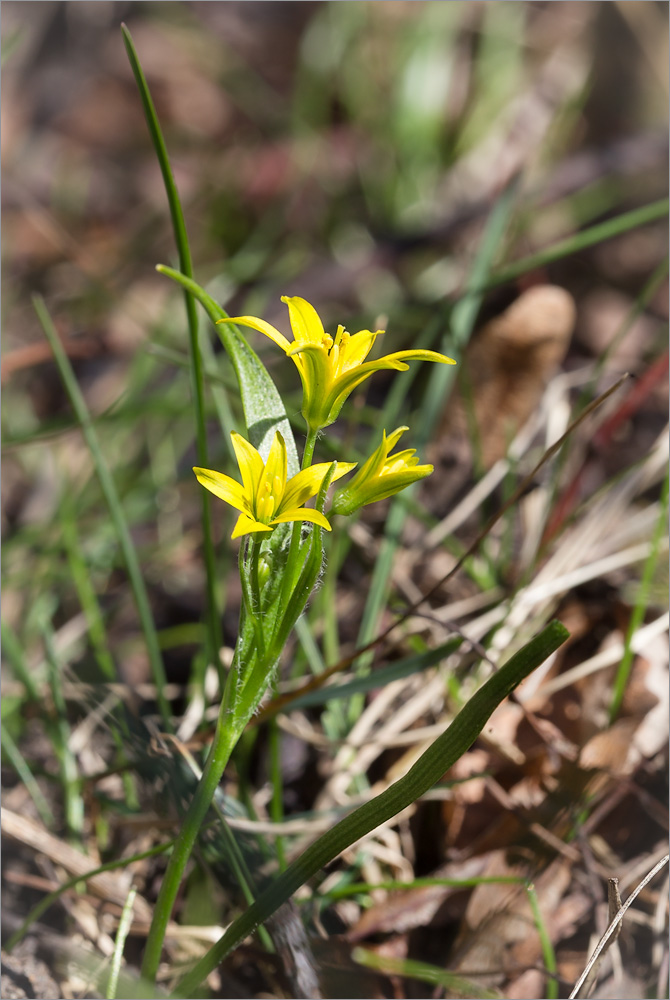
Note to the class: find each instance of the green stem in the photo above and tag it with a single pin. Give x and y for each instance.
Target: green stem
(310, 445)
(296, 559)
(225, 738)
(296, 596)
(257, 612)
(292, 563)
(250, 595)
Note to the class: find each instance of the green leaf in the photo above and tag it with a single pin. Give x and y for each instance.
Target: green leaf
(425, 773)
(264, 410)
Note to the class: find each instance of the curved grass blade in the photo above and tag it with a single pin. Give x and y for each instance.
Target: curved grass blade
(426, 772)
(198, 388)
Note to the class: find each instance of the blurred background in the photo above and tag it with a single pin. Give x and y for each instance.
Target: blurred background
(352, 153)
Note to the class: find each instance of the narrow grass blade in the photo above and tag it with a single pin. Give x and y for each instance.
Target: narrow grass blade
(60, 735)
(52, 897)
(580, 241)
(548, 953)
(377, 679)
(185, 264)
(394, 885)
(114, 505)
(640, 607)
(19, 764)
(426, 772)
(462, 323)
(464, 313)
(310, 647)
(411, 969)
(12, 649)
(94, 617)
(119, 944)
(85, 591)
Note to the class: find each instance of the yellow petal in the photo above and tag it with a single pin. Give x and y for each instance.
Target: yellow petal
(245, 525)
(275, 467)
(305, 322)
(223, 487)
(394, 437)
(357, 348)
(342, 469)
(303, 514)
(420, 355)
(308, 482)
(262, 327)
(251, 465)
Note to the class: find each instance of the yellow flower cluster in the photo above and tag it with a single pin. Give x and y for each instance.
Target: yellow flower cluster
(330, 368)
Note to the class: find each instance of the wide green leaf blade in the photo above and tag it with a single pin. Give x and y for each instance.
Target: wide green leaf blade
(425, 773)
(264, 410)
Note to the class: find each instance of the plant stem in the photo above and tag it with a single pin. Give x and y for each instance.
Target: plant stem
(250, 594)
(254, 556)
(225, 738)
(292, 567)
(310, 444)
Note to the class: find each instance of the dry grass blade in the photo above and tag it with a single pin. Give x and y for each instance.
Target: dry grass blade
(106, 885)
(519, 492)
(583, 983)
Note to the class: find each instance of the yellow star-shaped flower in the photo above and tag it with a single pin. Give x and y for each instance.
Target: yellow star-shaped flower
(330, 368)
(264, 497)
(381, 476)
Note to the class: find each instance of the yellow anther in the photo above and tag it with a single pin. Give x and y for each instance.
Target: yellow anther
(341, 332)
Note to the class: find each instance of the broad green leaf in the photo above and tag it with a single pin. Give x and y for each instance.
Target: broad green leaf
(426, 772)
(264, 410)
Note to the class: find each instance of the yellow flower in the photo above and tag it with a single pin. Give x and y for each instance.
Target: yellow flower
(381, 476)
(330, 367)
(264, 498)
